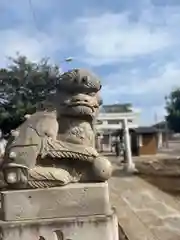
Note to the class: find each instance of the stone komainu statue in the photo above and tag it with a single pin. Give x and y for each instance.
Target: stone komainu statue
(56, 146)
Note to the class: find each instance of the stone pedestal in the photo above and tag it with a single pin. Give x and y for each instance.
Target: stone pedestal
(73, 212)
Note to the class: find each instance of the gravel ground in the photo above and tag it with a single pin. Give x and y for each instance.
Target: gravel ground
(163, 171)
(164, 174)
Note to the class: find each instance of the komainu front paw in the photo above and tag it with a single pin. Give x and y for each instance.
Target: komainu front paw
(16, 177)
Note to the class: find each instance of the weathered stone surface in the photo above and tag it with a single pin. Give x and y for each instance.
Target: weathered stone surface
(68, 201)
(78, 228)
(56, 145)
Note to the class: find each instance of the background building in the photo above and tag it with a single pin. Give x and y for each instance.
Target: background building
(110, 120)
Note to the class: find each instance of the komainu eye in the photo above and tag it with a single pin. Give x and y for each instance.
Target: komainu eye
(84, 79)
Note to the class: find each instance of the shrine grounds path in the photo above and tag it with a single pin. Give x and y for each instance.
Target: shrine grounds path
(145, 212)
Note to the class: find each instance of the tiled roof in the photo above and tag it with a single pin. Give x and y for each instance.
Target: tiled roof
(139, 130)
(145, 130)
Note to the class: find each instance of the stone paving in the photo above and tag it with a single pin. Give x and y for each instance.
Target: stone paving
(144, 211)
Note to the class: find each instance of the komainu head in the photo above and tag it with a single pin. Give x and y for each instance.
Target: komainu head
(78, 94)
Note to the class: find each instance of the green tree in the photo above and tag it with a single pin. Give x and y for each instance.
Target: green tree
(23, 86)
(173, 110)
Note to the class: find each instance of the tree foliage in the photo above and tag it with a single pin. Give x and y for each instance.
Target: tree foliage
(23, 86)
(173, 110)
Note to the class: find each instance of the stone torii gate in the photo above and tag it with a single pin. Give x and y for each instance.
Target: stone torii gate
(129, 165)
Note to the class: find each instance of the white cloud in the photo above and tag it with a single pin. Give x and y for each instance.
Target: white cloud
(33, 45)
(30, 33)
(164, 80)
(148, 93)
(104, 38)
(111, 37)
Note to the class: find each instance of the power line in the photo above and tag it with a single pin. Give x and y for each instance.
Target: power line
(33, 15)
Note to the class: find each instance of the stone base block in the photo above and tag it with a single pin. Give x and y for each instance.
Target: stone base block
(61, 202)
(90, 227)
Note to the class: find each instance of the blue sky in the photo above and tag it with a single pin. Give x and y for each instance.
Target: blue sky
(132, 45)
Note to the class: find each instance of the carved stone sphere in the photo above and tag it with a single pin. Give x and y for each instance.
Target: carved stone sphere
(102, 168)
